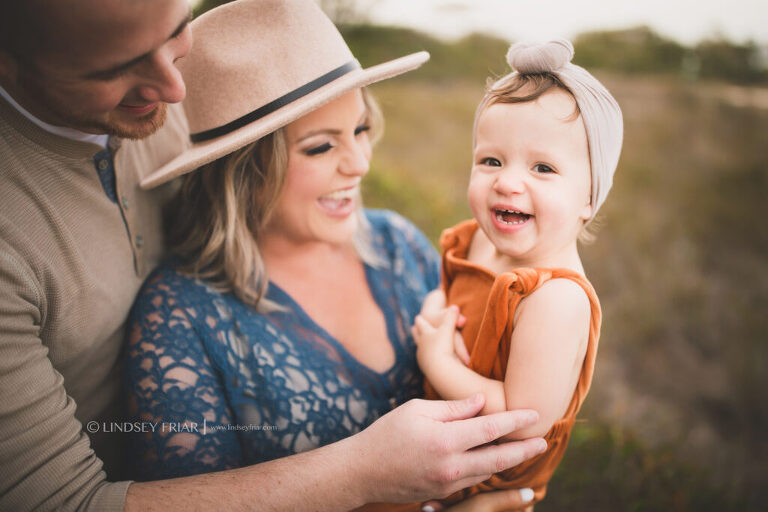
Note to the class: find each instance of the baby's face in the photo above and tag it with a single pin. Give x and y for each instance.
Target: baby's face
(530, 183)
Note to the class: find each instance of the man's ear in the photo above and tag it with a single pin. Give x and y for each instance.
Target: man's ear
(9, 67)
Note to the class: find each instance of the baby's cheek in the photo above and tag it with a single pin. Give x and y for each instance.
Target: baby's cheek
(477, 193)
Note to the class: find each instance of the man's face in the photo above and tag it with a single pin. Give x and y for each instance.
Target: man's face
(106, 66)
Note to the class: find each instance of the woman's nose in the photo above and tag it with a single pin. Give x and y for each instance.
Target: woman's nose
(357, 158)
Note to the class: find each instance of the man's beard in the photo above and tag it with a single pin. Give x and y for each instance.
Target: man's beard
(109, 123)
(136, 128)
(140, 127)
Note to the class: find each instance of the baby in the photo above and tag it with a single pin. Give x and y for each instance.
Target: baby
(547, 139)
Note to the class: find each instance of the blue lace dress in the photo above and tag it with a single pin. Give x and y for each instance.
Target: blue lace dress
(213, 385)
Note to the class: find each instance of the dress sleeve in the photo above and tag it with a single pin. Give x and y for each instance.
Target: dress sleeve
(175, 398)
(46, 461)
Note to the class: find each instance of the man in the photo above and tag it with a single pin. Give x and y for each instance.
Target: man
(84, 85)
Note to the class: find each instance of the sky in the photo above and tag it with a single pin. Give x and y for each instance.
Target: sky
(687, 21)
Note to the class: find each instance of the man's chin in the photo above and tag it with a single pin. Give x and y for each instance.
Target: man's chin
(130, 127)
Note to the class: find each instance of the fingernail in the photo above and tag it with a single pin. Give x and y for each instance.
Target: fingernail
(430, 508)
(542, 447)
(526, 495)
(475, 398)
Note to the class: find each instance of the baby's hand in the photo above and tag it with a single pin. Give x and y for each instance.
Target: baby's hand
(433, 307)
(436, 340)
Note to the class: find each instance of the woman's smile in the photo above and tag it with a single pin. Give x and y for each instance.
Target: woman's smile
(339, 203)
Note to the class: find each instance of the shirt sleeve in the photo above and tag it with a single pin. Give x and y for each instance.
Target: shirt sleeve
(174, 394)
(46, 461)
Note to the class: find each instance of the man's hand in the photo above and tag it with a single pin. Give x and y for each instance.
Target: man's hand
(430, 449)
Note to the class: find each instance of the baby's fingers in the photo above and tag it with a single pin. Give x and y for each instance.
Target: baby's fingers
(460, 348)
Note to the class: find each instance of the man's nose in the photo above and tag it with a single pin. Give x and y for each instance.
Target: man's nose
(162, 80)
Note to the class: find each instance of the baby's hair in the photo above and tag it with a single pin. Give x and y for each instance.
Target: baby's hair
(521, 88)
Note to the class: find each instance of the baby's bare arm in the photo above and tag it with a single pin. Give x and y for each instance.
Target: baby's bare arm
(547, 351)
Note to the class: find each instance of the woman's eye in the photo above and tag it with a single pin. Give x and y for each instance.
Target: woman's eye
(362, 128)
(491, 162)
(322, 148)
(544, 168)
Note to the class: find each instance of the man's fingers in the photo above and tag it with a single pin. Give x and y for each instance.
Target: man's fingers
(484, 429)
(498, 457)
(453, 410)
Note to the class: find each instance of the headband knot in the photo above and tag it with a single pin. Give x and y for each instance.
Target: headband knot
(530, 59)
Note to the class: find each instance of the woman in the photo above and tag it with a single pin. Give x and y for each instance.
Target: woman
(283, 323)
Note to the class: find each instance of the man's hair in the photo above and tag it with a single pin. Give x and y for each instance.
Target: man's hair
(19, 27)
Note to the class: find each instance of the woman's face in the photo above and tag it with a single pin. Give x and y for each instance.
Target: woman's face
(328, 154)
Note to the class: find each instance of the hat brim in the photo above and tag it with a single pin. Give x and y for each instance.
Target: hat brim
(208, 151)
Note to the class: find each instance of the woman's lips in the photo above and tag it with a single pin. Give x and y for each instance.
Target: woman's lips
(138, 110)
(340, 203)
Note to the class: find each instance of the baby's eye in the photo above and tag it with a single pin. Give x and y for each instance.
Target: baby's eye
(491, 162)
(322, 148)
(544, 168)
(362, 128)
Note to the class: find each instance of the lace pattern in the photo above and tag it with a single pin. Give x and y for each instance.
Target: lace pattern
(223, 386)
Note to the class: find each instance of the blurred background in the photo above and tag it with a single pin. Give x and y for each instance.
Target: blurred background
(677, 418)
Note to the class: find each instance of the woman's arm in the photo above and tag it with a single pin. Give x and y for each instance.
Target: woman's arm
(174, 393)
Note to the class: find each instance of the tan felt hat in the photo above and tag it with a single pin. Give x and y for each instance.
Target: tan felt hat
(257, 65)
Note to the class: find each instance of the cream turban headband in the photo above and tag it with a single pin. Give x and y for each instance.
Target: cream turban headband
(599, 110)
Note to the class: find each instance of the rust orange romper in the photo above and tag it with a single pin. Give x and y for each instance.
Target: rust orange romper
(489, 302)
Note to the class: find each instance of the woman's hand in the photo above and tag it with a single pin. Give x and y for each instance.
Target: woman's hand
(496, 501)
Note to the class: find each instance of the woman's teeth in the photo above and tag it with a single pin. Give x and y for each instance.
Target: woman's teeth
(511, 216)
(338, 198)
(348, 193)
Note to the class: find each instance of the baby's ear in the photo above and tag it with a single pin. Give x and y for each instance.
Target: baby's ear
(586, 211)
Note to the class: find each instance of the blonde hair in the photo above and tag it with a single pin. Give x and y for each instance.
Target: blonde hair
(214, 222)
(524, 88)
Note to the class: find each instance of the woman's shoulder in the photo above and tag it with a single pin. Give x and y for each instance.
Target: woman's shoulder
(394, 227)
(167, 286)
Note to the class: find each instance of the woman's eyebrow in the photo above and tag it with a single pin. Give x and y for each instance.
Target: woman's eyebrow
(329, 131)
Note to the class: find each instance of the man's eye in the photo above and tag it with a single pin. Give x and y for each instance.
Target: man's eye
(107, 76)
(544, 168)
(491, 162)
(362, 128)
(318, 149)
